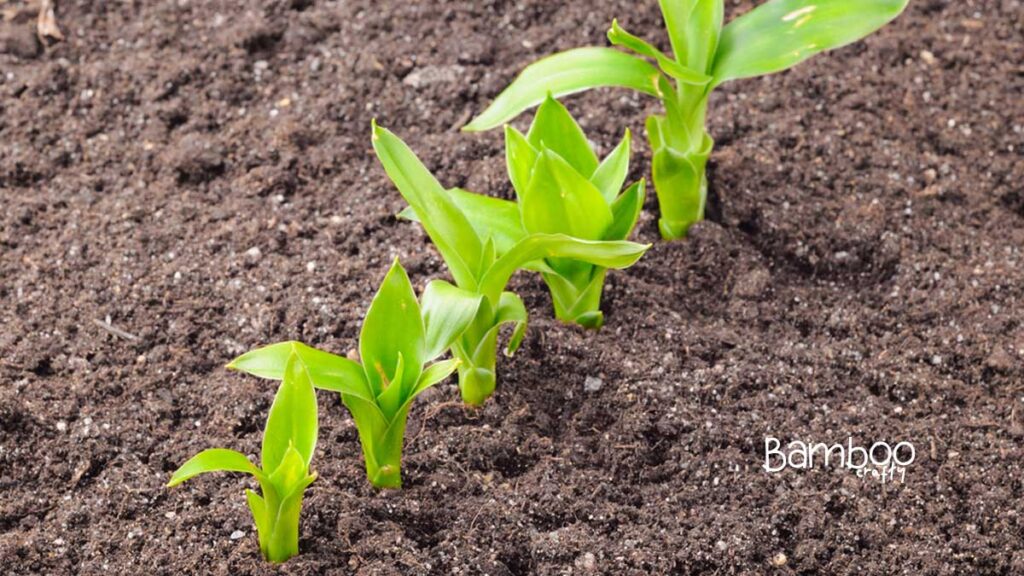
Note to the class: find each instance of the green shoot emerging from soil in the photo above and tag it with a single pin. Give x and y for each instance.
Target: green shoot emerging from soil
(562, 188)
(770, 38)
(288, 444)
(399, 340)
(482, 260)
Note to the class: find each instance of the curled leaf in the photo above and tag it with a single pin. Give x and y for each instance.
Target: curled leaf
(213, 460)
(563, 74)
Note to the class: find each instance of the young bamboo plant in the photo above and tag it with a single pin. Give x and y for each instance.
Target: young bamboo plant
(400, 339)
(770, 38)
(561, 188)
(288, 444)
(483, 254)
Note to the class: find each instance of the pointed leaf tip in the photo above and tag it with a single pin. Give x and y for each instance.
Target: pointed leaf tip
(392, 329)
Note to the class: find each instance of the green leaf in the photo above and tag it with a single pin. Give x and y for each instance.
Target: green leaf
(586, 309)
(512, 310)
(703, 28)
(389, 450)
(393, 327)
(611, 174)
(292, 422)
(448, 227)
(537, 246)
(619, 37)
(447, 312)
(268, 361)
(578, 299)
(328, 371)
(487, 257)
(346, 377)
(782, 33)
(567, 73)
(591, 319)
(655, 132)
(560, 200)
(626, 212)
(520, 157)
(213, 460)
(679, 127)
(693, 27)
(477, 384)
(290, 472)
(555, 129)
(563, 294)
(676, 14)
(284, 524)
(370, 424)
(258, 507)
(392, 392)
(682, 188)
(492, 218)
(435, 373)
(296, 491)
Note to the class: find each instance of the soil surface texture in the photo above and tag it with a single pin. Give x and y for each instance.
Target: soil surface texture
(185, 180)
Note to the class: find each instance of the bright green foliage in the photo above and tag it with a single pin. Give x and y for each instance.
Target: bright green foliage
(562, 188)
(772, 37)
(288, 444)
(479, 239)
(399, 340)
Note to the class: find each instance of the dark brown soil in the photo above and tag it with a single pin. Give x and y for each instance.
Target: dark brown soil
(200, 176)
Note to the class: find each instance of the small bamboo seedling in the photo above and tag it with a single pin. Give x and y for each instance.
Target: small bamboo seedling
(482, 260)
(288, 444)
(770, 38)
(399, 341)
(562, 188)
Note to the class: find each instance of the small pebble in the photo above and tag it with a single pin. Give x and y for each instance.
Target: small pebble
(592, 384)
(237, 535)
(928, 57)
(780, 560)
(587, 561)
(999, 360)
(430, 75)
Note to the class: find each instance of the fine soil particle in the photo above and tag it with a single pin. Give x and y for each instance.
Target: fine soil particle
(198, 176)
